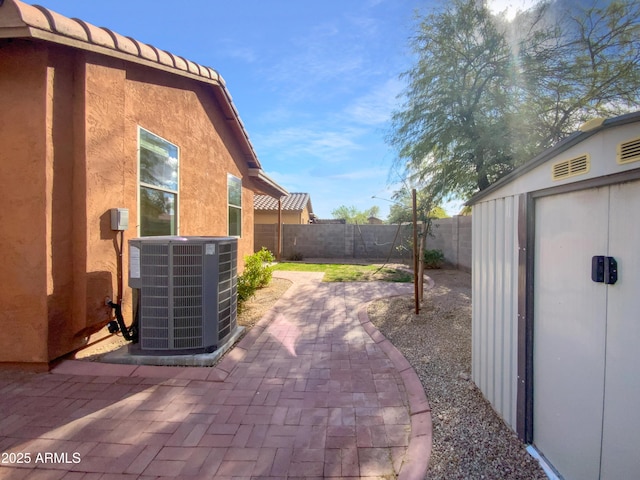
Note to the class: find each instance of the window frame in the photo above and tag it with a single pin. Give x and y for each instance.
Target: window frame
(232, 178)
(141, 184)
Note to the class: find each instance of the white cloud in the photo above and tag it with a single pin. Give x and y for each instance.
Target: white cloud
(332, 57)
(361, 174)
(242, 53)
(510, 7)
(376, 106)
(230, 49)
(293, 181)
(305, 143)
(319, 68)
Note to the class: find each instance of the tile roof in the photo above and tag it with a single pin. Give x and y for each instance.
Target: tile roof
(21, 20)
(291, 202)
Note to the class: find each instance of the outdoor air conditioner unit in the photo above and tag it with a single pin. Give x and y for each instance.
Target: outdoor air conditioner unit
(187, 289)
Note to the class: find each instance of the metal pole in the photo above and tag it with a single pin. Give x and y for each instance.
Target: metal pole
(279, 249)
(423, 240)
(415, 250)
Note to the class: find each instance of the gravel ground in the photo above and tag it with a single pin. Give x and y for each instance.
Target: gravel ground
(470, 441)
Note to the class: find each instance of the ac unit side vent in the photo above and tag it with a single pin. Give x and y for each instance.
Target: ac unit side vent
(154, 267)
(570, 168)
(629, 152)
(228, 288)
(187, 296)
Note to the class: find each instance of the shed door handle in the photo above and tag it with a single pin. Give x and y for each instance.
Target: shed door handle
(604, 269)
(610, 270)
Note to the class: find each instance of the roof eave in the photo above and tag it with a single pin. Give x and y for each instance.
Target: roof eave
(267, 185)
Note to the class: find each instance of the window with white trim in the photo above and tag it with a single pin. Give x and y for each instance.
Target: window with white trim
(158, 175)
(234, 195)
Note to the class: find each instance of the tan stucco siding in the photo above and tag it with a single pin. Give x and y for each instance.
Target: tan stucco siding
(23, 244)
(64, 317)
(288, 217)
(304, 216)
(208, 150)
(106, 167)
(69, 131)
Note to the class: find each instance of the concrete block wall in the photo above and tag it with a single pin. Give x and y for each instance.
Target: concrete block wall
(265, 235)
(464, 243)
(451, 235)
(381, 241)
(318, 240)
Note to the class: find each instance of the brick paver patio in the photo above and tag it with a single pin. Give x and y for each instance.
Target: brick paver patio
(312, 391)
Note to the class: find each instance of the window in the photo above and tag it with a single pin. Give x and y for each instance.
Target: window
(158, 185)
(234, 194)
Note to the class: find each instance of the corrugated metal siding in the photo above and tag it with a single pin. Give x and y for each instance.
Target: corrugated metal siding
(495, 314)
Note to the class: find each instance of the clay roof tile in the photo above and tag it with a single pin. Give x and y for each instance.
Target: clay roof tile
(63, 25)
(179, 62)
(96, 35)
(291, 202)
(192, 67)
(24, 14)
(146, 51)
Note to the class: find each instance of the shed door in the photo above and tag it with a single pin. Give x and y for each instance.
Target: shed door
(621, 422)
(586, 334)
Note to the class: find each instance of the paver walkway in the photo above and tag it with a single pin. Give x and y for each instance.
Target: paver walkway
(312, 391)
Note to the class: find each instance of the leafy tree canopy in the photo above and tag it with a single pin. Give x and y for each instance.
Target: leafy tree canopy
(352, 215)
(402, 210)
(486, 94)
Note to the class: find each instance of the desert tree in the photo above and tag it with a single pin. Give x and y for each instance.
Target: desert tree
(487, 94)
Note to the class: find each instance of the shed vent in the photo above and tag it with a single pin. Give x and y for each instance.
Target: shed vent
(569, 168)
(629, 151)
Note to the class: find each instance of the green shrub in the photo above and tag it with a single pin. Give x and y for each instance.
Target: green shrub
(433, 258)
(257, 274)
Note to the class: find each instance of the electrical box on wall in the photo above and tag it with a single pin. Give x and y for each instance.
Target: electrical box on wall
(119, 219)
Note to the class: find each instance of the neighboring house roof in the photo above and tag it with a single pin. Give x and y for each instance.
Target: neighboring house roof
(587, 130)
(20, 20)
(291, 202)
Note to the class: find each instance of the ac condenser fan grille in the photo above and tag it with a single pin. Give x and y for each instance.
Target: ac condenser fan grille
(154, 267)
(187, 296)
(188, 292)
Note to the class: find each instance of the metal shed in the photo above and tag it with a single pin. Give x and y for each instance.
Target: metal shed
(556, 336)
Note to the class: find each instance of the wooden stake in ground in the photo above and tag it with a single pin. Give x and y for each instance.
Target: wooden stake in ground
(415, 250)
(421, 248)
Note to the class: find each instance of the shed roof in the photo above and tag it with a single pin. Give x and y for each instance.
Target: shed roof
(20, 20)
(587, 130)
(291, 202)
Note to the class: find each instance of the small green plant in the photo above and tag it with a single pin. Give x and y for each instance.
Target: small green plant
(433, 258)
(257, 274)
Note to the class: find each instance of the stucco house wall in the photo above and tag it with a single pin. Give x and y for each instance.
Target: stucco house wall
(69, 122)
(296, 218)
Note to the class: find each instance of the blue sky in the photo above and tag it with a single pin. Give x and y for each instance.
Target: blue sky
(314, 81)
